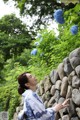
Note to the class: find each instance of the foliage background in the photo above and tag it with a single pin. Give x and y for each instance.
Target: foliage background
(15, 53)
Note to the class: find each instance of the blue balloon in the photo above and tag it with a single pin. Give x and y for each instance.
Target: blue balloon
(74, 29)
(34, 52)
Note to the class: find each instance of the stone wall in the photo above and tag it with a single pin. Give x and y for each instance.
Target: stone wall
(62, 83)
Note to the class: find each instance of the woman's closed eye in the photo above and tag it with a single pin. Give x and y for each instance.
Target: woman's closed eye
(30, 76)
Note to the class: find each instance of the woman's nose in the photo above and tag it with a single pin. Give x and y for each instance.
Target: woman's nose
(34, 77)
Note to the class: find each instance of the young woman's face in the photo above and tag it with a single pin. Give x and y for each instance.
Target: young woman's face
(32, 81)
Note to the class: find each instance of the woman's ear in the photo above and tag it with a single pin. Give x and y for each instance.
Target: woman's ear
(27, 84)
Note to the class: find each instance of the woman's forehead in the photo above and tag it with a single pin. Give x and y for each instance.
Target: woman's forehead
(28, 74)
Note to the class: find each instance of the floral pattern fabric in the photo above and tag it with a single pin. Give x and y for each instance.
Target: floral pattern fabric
(34, 107)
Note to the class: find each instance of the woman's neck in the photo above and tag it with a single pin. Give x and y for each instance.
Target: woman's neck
(33, 88)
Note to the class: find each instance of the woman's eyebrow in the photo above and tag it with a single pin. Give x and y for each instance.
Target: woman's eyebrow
(30, 76)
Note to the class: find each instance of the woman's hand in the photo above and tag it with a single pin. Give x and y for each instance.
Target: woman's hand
(61, 106)
(66, 103)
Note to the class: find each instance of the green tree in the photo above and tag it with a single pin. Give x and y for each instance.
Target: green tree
(42, 8)
(14, 36)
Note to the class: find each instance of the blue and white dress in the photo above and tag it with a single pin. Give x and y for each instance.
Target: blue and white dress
(34, 107)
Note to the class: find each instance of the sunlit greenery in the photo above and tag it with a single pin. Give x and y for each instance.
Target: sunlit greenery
(17, 59)
(43, 9)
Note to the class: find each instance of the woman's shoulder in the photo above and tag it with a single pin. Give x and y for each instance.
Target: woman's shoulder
(28, 94)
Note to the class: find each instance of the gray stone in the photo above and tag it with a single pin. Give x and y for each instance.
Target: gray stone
(76, 96)
(21, 107)
(47, 95)
(61, 100)
(61, 70)
(18, 109)
(58, 85)
(72, 73)
(64, 87)
(47, 84)
(77, 69)
(43, 97)
(46, 104)
(54, 76)
(75, 53)
(66, 117)
(52, 90)
(15, 117)
(75, 82)
(22, 101)
(74, 118)
(70, 77)
(68, 68)
(57, 116)
(38, 88)
(75, 61)
(71, 108)
(57, 95)
(41, 89)
(54, 104)
(78, 111)
(41, 83)
(66, 60)
(51, 101)
(62, 111)
(69, 92)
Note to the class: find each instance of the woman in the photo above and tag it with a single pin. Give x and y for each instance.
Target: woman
(33, 104)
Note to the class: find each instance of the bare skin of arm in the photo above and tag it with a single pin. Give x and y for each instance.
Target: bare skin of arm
(61, 106)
